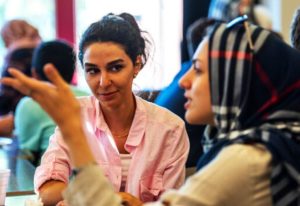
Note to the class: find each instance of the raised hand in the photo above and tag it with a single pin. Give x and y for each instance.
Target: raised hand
(59, 102)
(56, 98)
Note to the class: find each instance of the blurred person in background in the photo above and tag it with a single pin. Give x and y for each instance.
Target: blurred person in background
(20, 38)
(33, 127)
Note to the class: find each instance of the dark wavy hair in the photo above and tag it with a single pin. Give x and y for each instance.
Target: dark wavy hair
(121, 29)
(197, 31)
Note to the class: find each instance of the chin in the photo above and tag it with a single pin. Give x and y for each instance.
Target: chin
(194, 120)
(190, 118)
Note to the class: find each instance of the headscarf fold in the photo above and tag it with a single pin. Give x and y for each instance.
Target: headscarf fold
(256, 99)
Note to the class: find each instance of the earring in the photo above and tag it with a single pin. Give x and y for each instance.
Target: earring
(134, 75)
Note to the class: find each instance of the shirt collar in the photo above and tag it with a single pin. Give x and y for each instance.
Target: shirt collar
(137, 128)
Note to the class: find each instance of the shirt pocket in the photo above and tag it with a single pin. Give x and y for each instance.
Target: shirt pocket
(150, 187)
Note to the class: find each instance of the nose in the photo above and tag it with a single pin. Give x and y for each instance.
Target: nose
(185, 80)
(105, 80)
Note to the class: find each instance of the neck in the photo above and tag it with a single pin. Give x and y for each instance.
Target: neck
(119, 119)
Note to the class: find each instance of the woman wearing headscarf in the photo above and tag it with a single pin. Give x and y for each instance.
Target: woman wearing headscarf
(245, 82)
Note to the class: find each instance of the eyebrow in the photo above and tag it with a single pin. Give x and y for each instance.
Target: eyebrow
(115, 62)
(90, 65)
(108, 64)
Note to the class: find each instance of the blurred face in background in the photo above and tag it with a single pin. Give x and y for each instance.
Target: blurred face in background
(197, 88)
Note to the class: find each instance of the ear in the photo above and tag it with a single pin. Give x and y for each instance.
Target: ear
(138, 65)
(34, 74)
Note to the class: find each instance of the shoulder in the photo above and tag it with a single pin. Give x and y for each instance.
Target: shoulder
(28, 111)
(243, 159)
(237, 169)
(27, 103)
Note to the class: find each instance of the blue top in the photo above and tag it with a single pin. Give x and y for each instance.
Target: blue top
(33, 126)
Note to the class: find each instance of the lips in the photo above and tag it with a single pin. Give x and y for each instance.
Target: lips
(187, 104)
(107, 96)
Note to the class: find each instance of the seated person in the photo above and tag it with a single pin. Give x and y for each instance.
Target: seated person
(141, 146)
(33, 126)
(255, 159)
(172, 97)
(20, 59)
(20, 38)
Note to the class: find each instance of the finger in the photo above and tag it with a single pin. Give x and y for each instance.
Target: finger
(53, 75)
(26, 85)
(19, 76)
(14, 83)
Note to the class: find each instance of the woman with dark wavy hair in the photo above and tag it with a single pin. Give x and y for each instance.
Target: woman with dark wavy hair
(141, 147)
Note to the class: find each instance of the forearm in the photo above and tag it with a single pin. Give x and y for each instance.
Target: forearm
(6, 125)
(75, 139)
(51, 192)
(91, 188)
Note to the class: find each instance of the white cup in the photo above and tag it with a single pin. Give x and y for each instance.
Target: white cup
(4, 178)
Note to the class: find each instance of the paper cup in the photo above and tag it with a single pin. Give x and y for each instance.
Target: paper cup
(4, 178)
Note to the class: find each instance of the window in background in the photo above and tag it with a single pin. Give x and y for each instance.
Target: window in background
(159, 18)
(38, 13)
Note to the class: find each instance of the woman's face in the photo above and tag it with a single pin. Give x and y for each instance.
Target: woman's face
(197, 90)
(109, 72)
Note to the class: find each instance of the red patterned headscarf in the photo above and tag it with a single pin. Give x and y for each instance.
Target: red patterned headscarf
(256, 99)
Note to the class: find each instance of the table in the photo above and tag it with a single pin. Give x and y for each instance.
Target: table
(18, 200)
(22, 171)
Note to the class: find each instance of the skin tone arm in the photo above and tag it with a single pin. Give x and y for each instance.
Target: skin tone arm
(51, 192)
(6, 125)
(62, 100)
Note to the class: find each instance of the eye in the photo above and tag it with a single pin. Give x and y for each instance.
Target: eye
(197, 66)
(91, 70)
(197, 70)
(116, 67)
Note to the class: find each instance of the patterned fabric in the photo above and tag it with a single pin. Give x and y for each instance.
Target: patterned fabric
(256, 99)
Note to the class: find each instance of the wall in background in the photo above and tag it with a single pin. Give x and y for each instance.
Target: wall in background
(282, 13)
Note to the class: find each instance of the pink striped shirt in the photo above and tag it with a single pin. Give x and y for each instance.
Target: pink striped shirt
(157, 142)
